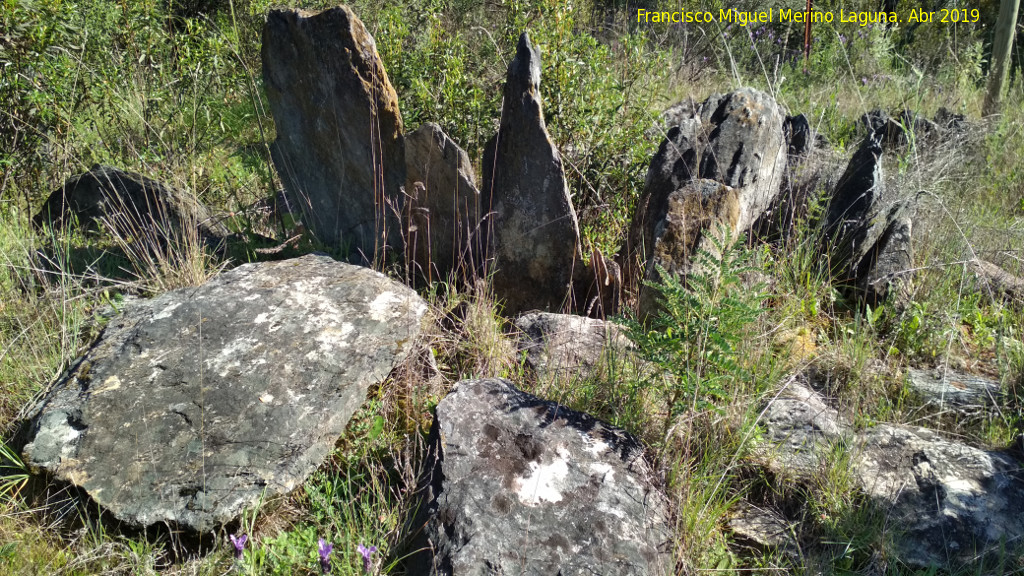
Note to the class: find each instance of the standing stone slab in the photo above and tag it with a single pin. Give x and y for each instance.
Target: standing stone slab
(868, 229)
(339, 147)
(445, 235)
(192, 404)
(525, 486)
(535, 234)
(717, 169)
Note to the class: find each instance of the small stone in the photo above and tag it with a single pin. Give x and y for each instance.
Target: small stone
(563, 347)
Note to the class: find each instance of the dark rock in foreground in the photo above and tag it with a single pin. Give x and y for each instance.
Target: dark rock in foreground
(339, 148)
(525, 486)
(194, 405)
(132, 205)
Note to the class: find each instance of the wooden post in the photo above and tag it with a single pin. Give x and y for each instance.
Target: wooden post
(1005, 25)
(807, 34)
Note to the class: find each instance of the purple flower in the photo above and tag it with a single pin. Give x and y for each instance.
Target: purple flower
(864, 80)
(239, 544)
(324, 549)
(366, 552)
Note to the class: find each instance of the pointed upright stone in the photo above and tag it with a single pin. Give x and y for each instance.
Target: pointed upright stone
(534, 232)
(339, 147)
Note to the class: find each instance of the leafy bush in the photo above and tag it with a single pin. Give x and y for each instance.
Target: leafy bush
(694, 339)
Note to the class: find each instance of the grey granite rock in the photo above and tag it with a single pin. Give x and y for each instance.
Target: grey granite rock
(524, 486)
(339, 148)
(564, 347)
(533, 226)
(193, 405)
(948, 504)
(446, 237)
(951, 503)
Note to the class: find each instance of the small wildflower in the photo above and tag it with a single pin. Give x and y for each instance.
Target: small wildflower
(239, 544)
(366, 553)
(324, 549)
(864, 80)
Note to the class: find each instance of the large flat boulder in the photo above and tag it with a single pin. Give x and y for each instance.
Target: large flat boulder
(446, 237)
(339, 148)
(193, 405)
(952, 503)
(535, 233)
(521, 485)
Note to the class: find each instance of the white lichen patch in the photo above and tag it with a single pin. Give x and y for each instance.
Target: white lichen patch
(333, 338)
(383, 306)
(965, 486)
(593, 446)
(231, 356)
(604, 470)
(166, 312)
(544, 483)
(111, 383)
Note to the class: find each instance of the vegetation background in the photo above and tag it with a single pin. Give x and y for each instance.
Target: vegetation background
(172, 89)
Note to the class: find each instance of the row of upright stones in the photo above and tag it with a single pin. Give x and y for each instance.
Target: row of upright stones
(367, 188)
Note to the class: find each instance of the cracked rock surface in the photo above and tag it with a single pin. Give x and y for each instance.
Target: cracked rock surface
(521, 485)
(948, 503)
(192, 404)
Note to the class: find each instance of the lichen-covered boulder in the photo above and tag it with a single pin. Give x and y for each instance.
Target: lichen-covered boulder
(446, 237)
(951, 503)
(196, 404)
(521, 485)
(339, 148)
(534, 231)
(947, 503)
(697, 219)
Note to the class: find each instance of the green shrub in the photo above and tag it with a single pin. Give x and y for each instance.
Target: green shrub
(693, 340)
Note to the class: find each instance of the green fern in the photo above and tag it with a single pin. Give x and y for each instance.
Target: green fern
(694, 339)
